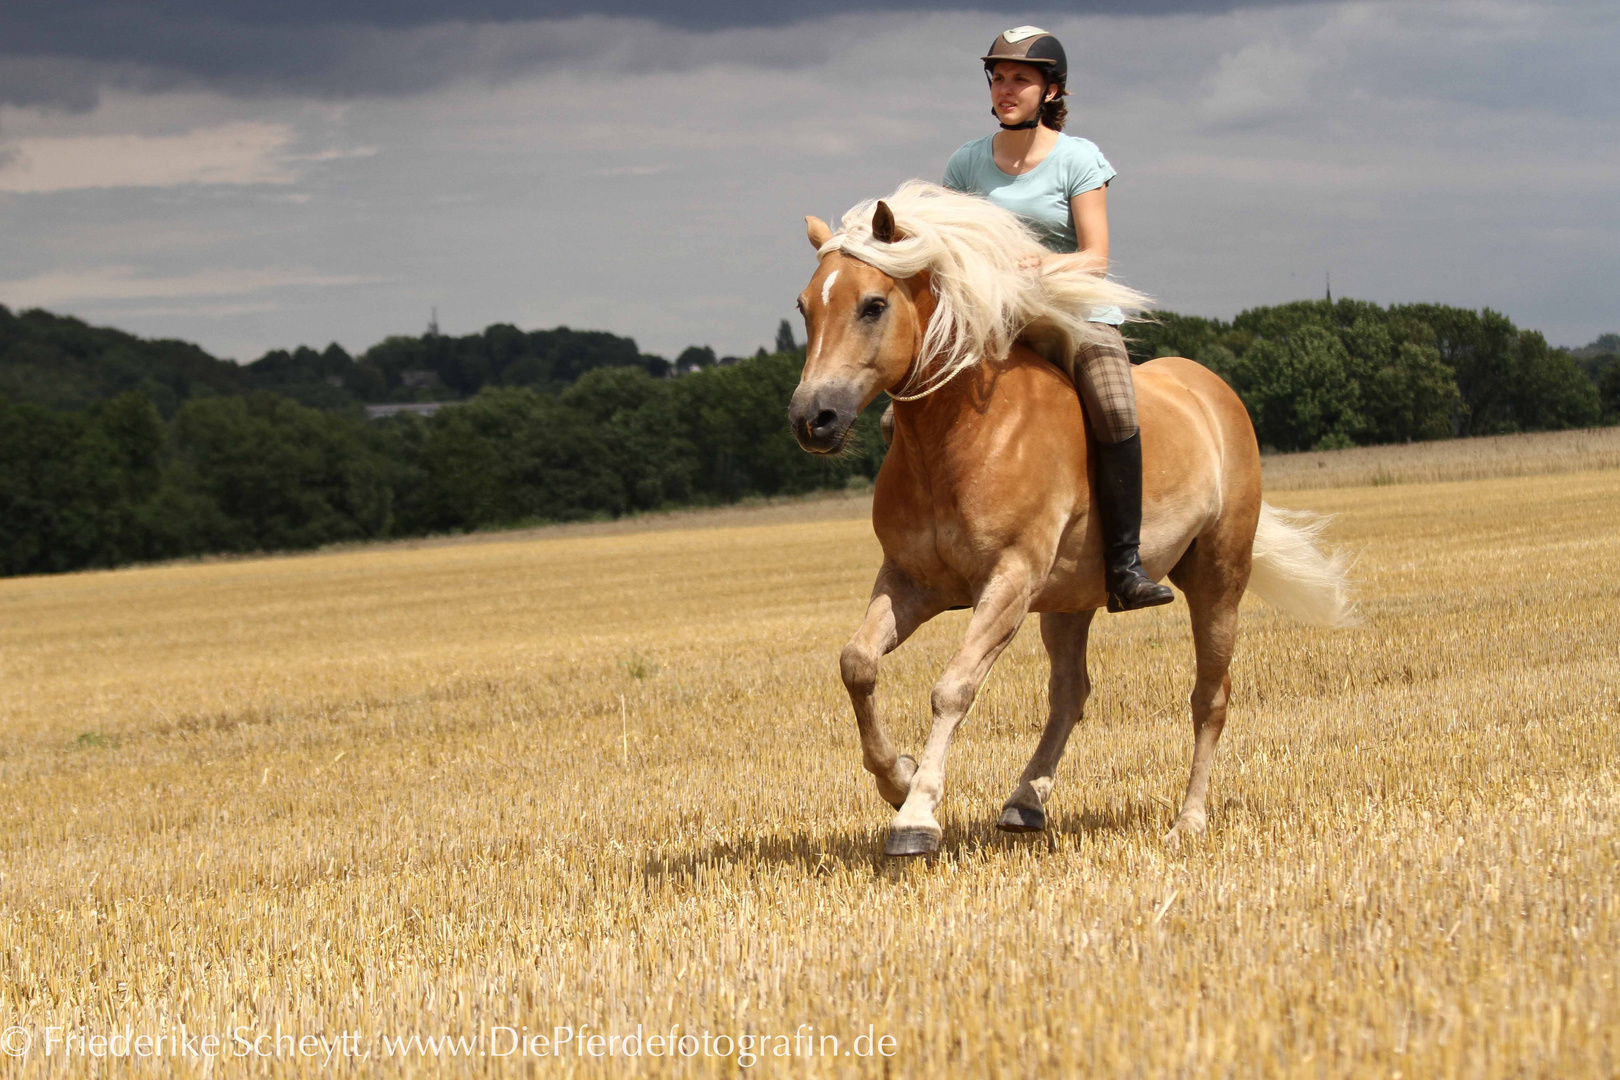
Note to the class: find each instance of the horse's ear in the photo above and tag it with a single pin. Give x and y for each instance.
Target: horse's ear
(817, 230)
(883, 229)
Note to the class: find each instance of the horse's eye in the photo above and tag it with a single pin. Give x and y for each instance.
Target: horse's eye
(873, 308)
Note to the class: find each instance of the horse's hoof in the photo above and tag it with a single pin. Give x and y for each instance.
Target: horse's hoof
(1187, 825)
(1015, 818)
(906, 841)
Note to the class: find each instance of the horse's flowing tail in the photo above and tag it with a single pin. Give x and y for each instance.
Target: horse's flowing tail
(1292, 573)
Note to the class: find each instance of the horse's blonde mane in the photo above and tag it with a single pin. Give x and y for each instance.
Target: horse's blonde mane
(984, 302)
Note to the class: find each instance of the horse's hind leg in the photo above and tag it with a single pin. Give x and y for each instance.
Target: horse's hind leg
(1064, 634)
(997, 615)
(1213, 575)
(897, 608)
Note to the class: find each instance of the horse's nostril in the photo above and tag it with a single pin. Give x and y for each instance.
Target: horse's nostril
(824, 419)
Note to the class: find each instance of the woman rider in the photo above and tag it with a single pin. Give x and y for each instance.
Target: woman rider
(1059, 185)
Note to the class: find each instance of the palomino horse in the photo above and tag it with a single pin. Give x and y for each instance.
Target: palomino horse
(984, 499)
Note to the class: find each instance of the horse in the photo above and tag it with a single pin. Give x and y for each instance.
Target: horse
(985, 497)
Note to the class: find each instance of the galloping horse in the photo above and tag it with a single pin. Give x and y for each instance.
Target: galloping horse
(985, 501)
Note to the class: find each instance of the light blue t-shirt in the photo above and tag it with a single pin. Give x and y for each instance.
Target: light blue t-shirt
(1040, 196)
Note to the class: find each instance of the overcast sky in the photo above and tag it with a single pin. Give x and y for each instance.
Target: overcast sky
(253, 176)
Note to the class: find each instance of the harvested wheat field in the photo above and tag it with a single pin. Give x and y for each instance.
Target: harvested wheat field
(317, 807)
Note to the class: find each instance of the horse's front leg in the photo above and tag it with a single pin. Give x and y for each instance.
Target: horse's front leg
(897, 608)
(996, 618)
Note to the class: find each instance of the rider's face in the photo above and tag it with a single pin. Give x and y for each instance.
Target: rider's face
(1016, 91)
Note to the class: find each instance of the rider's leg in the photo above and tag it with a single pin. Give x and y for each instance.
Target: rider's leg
(1102, 374)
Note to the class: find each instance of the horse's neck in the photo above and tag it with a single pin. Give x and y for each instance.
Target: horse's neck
(958, 434)
(932, 425)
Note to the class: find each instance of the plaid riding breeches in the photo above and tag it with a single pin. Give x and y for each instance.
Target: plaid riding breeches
(1102, 374)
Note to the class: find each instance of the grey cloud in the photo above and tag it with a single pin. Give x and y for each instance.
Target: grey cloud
(60, 53)
(1394, 157)
(70, 83)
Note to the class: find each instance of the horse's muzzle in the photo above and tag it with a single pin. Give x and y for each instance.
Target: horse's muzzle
(822, 414)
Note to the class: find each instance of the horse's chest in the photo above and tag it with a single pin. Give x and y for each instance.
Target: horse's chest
(949, 542)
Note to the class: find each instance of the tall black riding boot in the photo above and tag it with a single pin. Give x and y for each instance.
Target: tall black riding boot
(1119, 502)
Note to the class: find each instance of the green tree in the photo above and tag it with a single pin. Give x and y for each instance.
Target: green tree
(1407, 391)
(784, 337)
(1609, 392)
(1300, 391)
(1297, 377)
(73, 484)
(264, 473)
(649, 450)
(510, 456)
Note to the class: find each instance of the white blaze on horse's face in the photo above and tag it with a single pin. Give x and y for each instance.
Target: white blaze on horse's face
(826, 287)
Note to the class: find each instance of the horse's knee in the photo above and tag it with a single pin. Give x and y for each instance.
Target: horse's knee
(1209, 695)
(859, 667)
(952, 696)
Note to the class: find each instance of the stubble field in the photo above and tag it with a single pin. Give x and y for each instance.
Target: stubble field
(609, 777)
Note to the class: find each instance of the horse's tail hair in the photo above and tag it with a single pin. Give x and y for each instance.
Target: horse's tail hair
(1292, 573)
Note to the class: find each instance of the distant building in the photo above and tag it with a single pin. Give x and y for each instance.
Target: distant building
(420, 408)
(418, 377)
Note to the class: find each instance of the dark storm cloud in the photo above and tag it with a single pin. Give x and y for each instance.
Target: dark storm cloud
(1454, 152)
(60, 53)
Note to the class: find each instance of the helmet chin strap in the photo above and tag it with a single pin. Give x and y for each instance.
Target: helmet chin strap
(1032, 122)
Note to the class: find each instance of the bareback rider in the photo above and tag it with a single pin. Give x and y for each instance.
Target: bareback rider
(1059, 185)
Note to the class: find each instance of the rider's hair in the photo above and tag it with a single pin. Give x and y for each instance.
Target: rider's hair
(1054, 114)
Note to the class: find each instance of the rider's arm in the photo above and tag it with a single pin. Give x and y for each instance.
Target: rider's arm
(1090, 210)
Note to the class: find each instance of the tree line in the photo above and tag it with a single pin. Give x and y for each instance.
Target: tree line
(116, 450)
(118, 482)
(1330, 374)
(62, 363)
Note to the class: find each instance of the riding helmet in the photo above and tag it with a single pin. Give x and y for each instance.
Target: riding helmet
(1029, 45)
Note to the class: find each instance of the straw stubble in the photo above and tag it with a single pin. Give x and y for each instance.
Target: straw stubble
(613, 780)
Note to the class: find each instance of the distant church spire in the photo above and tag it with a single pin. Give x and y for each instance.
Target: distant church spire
(433, 323)
(1330, 287)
